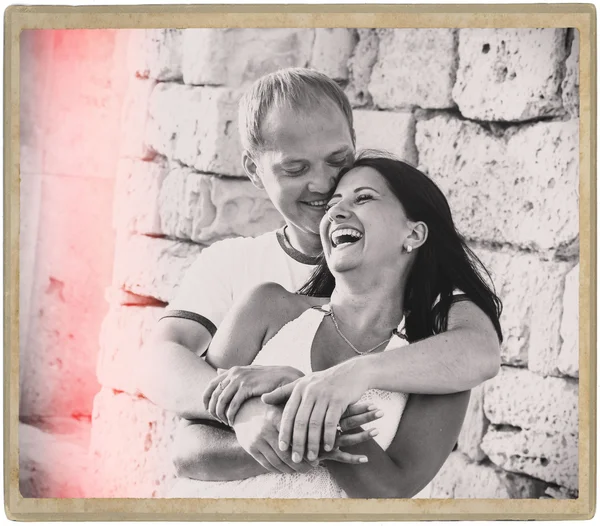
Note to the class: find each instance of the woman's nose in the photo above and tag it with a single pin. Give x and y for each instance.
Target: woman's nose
(338, 211)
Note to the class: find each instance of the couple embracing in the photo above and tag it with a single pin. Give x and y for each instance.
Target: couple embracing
(347, 341)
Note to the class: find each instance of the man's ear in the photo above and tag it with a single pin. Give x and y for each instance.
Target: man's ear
(418, 234)
(251, 169)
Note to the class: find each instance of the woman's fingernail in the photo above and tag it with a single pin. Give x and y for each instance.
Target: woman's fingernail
(296, 457)
(371, 408)
(282, 446)
(379, 414)
(312, 455)
(363, 460)
(328, 447)
(374, 432)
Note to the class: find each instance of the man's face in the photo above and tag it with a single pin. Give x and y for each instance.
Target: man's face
(302, 155)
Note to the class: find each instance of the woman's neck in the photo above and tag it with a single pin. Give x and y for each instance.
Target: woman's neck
(373, 307)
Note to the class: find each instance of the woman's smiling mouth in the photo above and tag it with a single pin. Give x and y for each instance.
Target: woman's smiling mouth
(345, 236)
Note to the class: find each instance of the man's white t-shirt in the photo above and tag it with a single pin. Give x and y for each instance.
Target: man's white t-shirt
(228, 269)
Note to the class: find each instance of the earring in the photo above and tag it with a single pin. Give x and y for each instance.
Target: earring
(329, 217)
(408, 248)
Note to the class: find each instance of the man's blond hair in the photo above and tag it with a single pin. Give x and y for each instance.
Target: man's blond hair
(295, 88)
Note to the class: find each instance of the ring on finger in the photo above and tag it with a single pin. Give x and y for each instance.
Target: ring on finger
(338, 430)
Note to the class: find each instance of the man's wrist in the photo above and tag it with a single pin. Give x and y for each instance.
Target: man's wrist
(366, 367)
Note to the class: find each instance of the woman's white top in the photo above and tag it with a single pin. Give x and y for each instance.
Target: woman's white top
(292, 346)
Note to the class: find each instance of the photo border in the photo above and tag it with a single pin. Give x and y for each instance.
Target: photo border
(579, 16)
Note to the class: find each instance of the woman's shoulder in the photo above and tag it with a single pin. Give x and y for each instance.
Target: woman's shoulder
(278, 303)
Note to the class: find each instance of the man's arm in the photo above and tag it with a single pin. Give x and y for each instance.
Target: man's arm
(220, 457)
(467, 354)
(173, 373)
(461, 358)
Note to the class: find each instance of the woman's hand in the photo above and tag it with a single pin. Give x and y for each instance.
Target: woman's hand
(225, 394)
(257, 431)
(315, 404)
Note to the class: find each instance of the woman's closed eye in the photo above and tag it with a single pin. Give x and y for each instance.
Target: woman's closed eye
(359, 199)
(362, 198)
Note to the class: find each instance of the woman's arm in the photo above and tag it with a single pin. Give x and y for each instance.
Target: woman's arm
(425, 437)
(252, 321)
(223, 458)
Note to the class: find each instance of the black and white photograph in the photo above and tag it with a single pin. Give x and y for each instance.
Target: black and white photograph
(301, 263)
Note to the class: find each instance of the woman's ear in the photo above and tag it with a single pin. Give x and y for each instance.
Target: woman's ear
(251, 169)
(418, 234)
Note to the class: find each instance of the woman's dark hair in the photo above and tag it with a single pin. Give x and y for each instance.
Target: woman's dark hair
(443, 263)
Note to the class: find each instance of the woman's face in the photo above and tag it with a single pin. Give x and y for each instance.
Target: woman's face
(365, 223)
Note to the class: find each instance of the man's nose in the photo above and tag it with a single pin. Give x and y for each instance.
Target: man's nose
(323, 181)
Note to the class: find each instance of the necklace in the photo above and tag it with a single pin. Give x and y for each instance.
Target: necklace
(349, 342)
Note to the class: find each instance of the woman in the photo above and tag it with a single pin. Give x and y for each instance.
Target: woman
(392, 264)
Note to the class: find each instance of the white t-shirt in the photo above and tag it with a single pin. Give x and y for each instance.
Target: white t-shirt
(228, 269)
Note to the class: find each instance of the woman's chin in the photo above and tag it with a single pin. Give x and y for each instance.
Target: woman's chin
(342, 264)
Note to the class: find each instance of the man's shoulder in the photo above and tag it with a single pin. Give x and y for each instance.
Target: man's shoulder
(238, 248)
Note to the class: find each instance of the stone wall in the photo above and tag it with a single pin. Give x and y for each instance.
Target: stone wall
(71, 90)
(490, 115)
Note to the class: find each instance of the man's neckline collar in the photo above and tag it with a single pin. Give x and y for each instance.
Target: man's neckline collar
(295, 254)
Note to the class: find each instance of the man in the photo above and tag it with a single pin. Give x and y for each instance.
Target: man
(297, 133)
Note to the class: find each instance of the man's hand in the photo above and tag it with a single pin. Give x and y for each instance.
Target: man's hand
(315, 405)
(225, 394)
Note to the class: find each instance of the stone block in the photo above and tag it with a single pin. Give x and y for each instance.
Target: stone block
(568, 357)
(332, 49)
(552, 457)
(393, 132)
(137, 189)
(510, 74)
(73, 263)
(474, 426)
(196, 126)
(124, 332)
(130, 447)
(50, 465)
(152, 267)
(570, 84)
(80, 115)
(156, 54)
(202, 208)
(531, 291)
(35, 64)
(460, 478)
(360, 67)
(522, 399)
(535, 425)
(236, 57)
(562, 356)
(519, 187)
(415, 67)
(134, 119)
